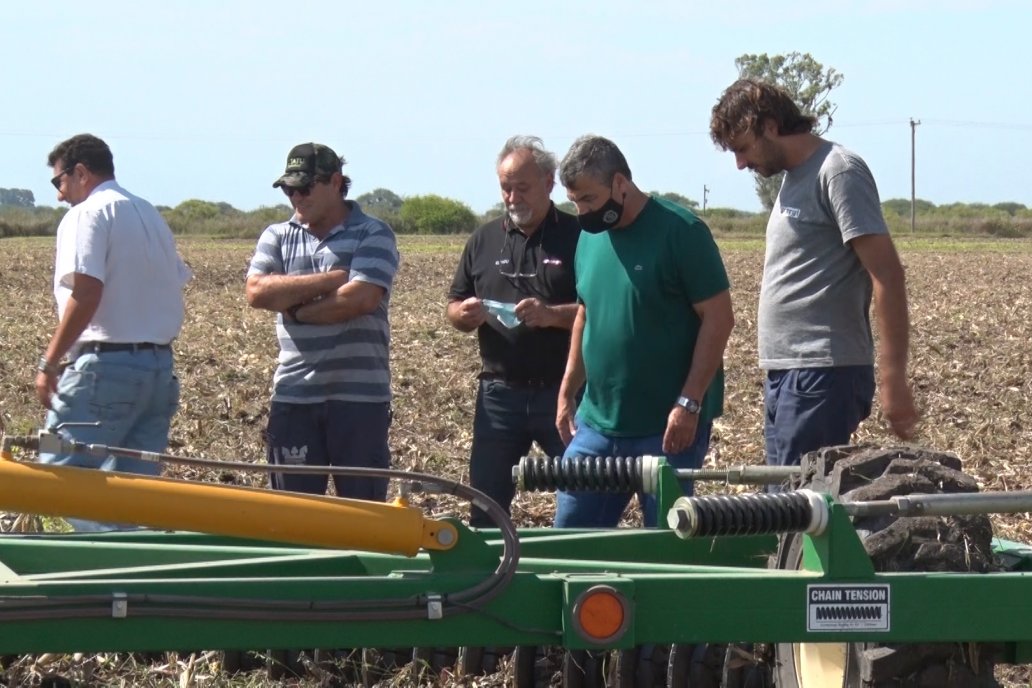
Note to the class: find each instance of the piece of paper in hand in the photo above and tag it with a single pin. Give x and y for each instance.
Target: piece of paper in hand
(505, 312)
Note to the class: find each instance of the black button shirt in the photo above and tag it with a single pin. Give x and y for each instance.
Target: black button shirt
(503, 264)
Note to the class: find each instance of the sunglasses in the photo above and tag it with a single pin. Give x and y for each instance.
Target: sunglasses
(56, 181)
(289, 191)
(303, 191)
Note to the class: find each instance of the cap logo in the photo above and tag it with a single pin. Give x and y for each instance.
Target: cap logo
(296, 162)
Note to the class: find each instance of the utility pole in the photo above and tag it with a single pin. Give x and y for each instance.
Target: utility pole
(913, 187)
(705, 194)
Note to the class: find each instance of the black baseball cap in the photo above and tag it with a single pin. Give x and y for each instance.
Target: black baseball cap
(307, 161)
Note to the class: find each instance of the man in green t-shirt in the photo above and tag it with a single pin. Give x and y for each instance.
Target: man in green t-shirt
(654, 317)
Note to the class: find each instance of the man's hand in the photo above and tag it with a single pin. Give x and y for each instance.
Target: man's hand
(534, 313)
(680, 430)
(897, 404)
(472, 313)
(46, 387)
(566, 413)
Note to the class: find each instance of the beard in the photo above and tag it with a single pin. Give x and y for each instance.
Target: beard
(520, 214)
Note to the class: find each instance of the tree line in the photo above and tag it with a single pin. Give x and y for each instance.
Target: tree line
(426, 214)
(431, 214)
(809, 82)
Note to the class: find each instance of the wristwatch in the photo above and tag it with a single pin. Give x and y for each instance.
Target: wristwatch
(48, 368)
(688, 404)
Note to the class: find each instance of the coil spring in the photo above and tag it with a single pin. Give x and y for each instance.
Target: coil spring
(588, 473)
(751, 514)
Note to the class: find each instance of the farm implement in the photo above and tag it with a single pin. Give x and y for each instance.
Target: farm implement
(868, 567)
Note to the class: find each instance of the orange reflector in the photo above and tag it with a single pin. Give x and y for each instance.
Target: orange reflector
(601, 614)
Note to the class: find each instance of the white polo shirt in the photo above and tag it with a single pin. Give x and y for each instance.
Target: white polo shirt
(122, 240)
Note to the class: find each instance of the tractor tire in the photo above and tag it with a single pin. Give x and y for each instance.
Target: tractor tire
(747, 666)
(337, 667)
(584, 668)
(285, 664)
(480, 661)
(380, 664)
(535, 666)
(241, 661)
(695, 666)
(429, 662)
(644, 666)
(905, 544)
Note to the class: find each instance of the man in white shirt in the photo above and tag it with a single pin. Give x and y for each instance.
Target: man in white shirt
(118, 283)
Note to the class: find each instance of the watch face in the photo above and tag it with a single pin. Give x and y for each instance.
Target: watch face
(689, 405)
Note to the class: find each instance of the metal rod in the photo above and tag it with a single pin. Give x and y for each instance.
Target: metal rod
(745, 475)
(945, 504)
(913, 174)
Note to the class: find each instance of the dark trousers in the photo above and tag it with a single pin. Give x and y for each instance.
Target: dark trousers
(508, 419)
(331, 433)
(810, 408)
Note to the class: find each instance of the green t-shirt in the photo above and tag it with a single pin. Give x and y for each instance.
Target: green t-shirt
(638, 285)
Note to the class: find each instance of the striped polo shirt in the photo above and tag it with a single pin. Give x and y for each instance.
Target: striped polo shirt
(346, 361)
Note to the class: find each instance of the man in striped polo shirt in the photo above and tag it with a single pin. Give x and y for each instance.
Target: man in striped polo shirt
(327, 272)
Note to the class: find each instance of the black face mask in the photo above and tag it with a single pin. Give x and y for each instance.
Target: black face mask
(604, 218)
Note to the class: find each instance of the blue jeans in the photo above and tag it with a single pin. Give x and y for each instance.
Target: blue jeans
(132, 394)
(330, 433)
(508, 419)
(604, 509)
(810, 408)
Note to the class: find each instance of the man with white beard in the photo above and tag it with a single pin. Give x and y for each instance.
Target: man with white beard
(515, 286)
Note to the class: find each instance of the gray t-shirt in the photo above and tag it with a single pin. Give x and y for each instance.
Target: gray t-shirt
(815, 300)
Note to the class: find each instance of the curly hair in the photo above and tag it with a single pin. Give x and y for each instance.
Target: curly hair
(86, 149)
(747, 104)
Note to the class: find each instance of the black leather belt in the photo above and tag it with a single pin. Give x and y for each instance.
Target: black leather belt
(533, 382)
(102, 347)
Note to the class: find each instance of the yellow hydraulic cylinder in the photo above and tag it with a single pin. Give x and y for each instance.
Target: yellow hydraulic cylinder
(220, 509)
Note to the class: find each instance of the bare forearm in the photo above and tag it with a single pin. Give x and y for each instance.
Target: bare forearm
(878, 255)
(352, 300)
(280, 292)
(454, 314)
(563, 315)
(706, 360)
(717, 320)
(893, 318)
(574, 377)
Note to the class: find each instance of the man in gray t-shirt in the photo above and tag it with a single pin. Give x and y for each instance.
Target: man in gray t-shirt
(828, 254)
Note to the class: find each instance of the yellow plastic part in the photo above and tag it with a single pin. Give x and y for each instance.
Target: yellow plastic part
(220, 509)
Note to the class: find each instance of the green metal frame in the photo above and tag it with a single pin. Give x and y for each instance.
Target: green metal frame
(681, 591)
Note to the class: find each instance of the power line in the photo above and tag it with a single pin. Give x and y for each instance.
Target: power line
(980, 125)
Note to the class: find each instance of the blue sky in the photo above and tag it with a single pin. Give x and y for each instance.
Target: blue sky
(203, 99)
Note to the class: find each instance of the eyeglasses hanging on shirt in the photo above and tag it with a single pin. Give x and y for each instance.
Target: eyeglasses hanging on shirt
(519, 271)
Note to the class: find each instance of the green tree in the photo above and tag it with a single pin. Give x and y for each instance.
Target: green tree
(385, 205)
(379, 202)
(677, 198)
(567, 207)
(265, 215)
(21, 198)
(1010, 207)
(809, 83)
(433, 214)
(194, 216)
(197, 210)
(901, 206)
(497, 210)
